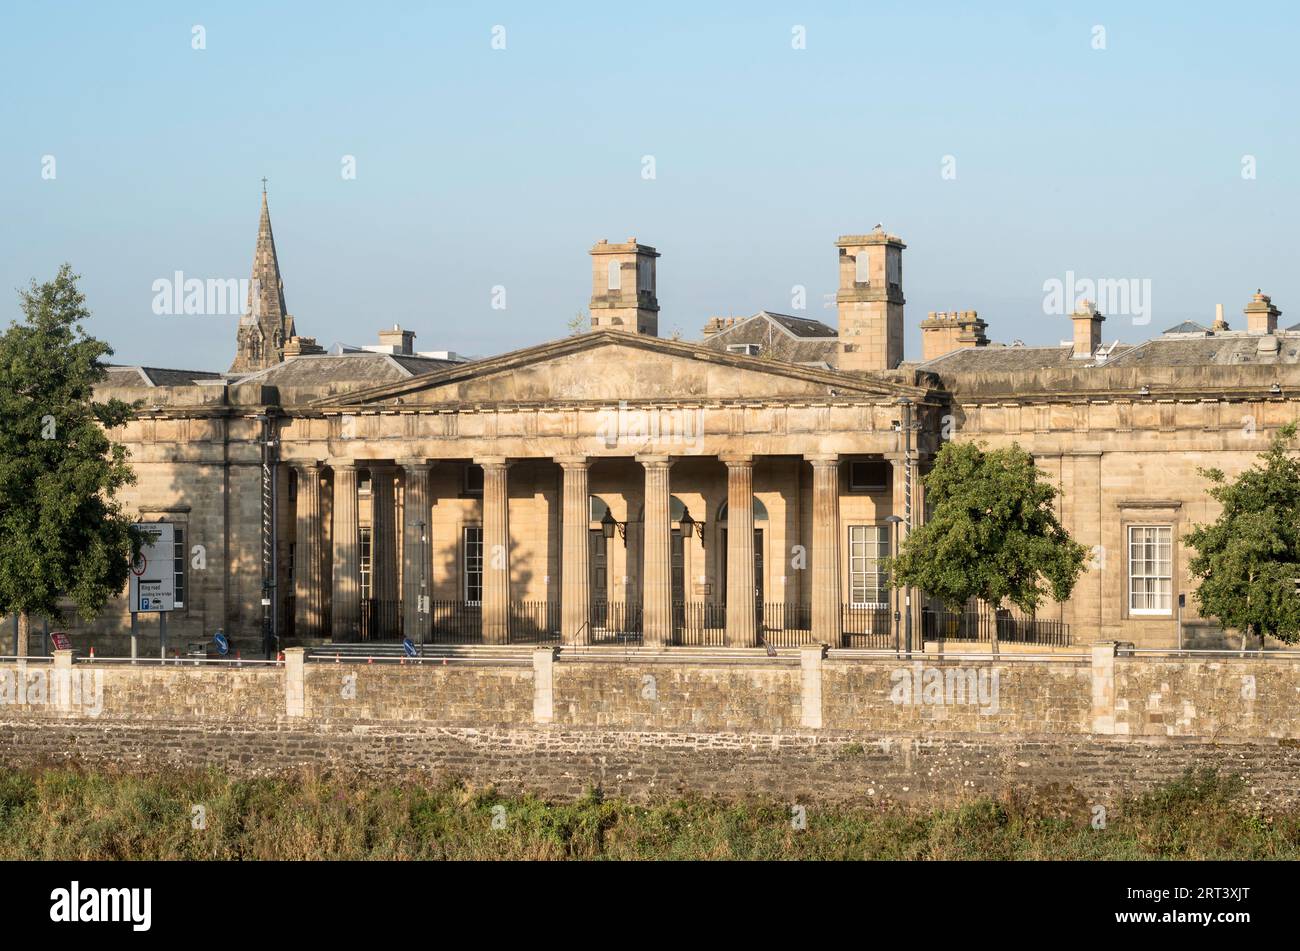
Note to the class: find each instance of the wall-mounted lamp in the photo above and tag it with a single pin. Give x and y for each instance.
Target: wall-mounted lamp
(609, 523)
(689, 525)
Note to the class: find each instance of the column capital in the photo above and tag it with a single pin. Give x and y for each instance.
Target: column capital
(823, 458)
(737, 459)
(653, 461)
(339, 462)
(573, 462)
(412, 462)
(306, 464)
(491, 462)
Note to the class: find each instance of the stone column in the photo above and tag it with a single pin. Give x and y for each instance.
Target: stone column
(826, 593)
(575, 554)
(346, 621)
(308, 581)
(657, 570)
(496, 551)
(383, 549)
(741, 625)
(417, 565)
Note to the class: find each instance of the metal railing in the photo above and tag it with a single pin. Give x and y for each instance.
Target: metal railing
(613, 623)
(534, 622)
(980, 625)
(381, 619)
(866, 627)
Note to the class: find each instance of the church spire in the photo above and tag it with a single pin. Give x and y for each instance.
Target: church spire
(267, 325)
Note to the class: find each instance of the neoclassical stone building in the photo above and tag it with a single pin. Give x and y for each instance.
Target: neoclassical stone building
(617, 487)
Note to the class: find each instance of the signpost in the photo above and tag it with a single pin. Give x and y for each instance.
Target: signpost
(153, 579)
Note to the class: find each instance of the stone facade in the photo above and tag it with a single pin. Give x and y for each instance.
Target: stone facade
(405, 480)
(1094, 726)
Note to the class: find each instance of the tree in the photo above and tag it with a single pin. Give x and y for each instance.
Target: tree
(576, 324)
(992, 534)
(63, 534)
(1248, 560)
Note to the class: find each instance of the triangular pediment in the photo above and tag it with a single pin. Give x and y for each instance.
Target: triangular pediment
(607, 366)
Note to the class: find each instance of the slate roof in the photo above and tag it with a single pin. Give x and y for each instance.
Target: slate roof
(798, 340)
(156, 376)
(361, 366)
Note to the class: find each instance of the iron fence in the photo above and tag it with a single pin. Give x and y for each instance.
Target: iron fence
(980, 625)
(866, 627)
(534, 622)
(381, 619)
(613, 622)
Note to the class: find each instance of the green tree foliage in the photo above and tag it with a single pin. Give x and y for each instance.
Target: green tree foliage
(1248, 561)
(63, 534)
(992, 533)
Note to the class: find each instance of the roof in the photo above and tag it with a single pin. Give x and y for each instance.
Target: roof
(798, 340)
(1230, 348)
(156, 376)
(358, 366)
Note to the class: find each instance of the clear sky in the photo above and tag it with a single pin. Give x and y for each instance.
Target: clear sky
(478, 167)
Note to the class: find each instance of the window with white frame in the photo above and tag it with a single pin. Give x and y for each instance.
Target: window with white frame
(365, 564)
(1150, 569)
(178, 565)
(868, 581)
(472, 564)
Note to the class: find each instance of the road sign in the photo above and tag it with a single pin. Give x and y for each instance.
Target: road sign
(409, 647)
(223, 645)
(61, 641)
(153, 579)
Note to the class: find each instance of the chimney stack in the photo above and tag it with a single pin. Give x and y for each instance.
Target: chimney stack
(945, 332)
(870, 301)
(1087, 330)
(623, 288)
(1261, 315)
(397, 340)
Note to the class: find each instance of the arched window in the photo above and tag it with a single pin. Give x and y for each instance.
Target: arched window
(760, 512)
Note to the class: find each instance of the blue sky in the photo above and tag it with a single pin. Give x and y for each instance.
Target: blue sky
(478, 167)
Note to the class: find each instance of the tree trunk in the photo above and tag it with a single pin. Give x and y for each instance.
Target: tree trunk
(24, 634)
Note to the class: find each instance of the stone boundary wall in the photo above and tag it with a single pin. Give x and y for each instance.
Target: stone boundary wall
(929, 730)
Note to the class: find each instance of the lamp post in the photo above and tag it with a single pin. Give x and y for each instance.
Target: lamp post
(422, 599)
(894, 521)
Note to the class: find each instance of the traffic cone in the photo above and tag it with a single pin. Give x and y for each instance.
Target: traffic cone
(370, 660)
(92, 651)
(336, 657)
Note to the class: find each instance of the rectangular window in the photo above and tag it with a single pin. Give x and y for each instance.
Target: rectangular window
(615, 276)
(363, 483)
(862, 267)
(643, 275)
(178, 564)
(474, 480)
(365, 564)
(868, 582)
(472, 564)
(1150, 569)
(747, 349)
(868, 475)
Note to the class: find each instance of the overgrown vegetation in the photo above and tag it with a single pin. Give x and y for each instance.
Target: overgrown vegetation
(68, 814)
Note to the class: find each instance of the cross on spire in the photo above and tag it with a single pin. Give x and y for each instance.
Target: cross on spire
(263, 184)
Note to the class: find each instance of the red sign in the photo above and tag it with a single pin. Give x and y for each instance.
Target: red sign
(61, 641)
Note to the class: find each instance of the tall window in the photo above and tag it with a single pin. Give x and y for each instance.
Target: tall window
(178, 564)
(472, 566)
(868, 582)
(1150, 569)
(365, 563)
(615, 276)
(862, 267)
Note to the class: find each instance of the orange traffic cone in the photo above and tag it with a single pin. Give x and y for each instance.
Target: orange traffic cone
(92, 651)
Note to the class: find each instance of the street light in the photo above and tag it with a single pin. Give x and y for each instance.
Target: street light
(894, 521)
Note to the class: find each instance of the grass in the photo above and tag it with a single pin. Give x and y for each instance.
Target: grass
(70, 814)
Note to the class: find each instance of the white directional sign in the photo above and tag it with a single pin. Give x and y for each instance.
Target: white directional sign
(153, 578)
